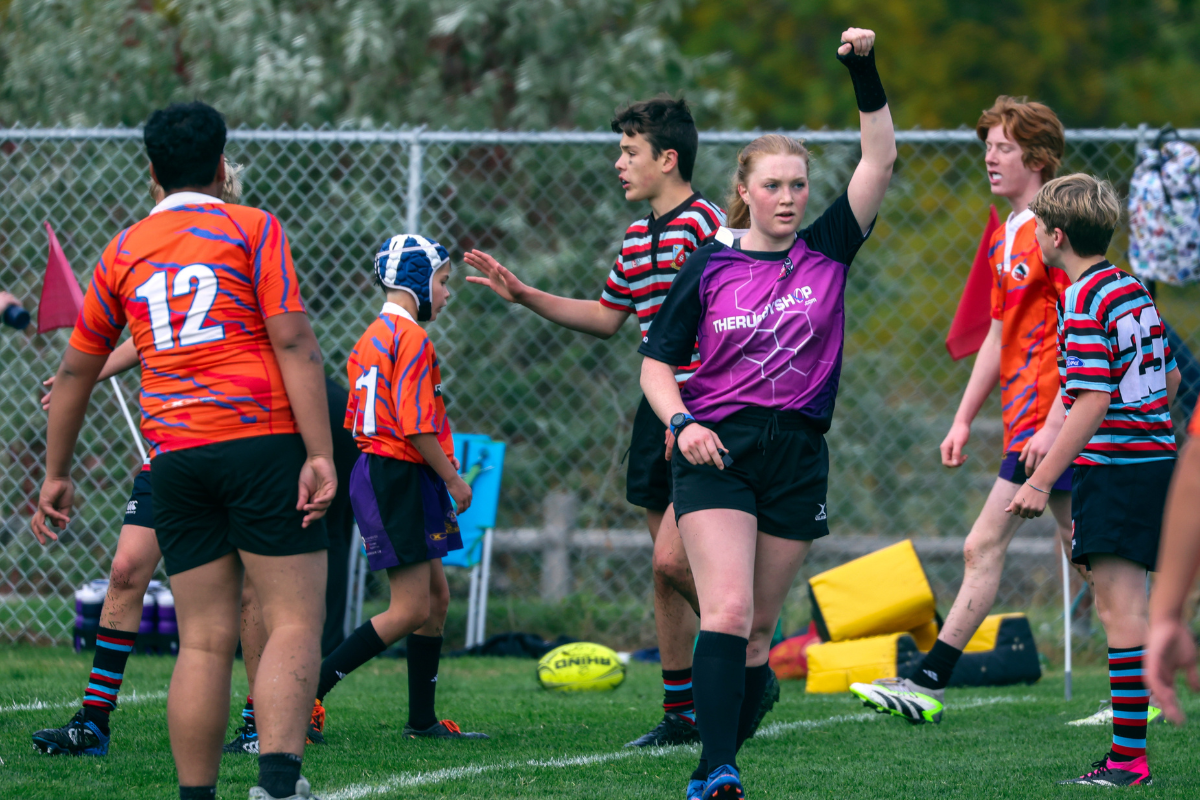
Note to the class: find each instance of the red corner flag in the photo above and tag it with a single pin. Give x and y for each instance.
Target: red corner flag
(973, 317)
(62, 299)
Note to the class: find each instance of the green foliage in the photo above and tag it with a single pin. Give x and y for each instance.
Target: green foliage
(1095, 62)
(532, 64)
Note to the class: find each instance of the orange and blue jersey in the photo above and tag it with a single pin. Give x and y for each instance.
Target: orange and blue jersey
(1111, 340)
(195, 282)
(1025, 297)
(396, 385)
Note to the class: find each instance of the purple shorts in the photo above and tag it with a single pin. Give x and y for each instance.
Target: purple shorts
(403, 511)
(1013, 471)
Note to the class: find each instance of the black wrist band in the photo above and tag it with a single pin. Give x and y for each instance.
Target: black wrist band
(868, 89)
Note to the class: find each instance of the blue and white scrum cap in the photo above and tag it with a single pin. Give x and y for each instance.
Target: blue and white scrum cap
(407, 262)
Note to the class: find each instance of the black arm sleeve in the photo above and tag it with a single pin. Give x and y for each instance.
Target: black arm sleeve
(836, 232)
(672, 335)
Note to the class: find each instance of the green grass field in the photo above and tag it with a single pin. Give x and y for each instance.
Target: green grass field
(995, 743)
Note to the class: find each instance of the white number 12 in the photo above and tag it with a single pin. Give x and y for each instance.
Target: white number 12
(154, 292)
(368, 382)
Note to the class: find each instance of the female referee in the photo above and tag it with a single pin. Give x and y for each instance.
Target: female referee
(750, 463)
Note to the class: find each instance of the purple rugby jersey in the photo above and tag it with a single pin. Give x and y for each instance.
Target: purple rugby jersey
(770, 326)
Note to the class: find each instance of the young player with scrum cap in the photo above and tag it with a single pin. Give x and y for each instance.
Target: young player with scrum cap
(401, 486)
(233, 405)
(1118, 381)
(658, 151)
(1023, 149)
(750, 463)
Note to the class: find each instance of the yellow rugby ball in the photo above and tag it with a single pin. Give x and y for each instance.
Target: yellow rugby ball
(580, 667)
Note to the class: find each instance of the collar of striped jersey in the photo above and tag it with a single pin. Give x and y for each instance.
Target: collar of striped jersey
(398, 310)
(185, 199)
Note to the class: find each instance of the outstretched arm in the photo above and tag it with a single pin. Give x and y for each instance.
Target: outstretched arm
(874, 171)
(123, 358)
(585, 316)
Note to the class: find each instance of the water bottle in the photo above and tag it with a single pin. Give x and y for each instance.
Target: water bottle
(15, 317)
(168, 628)
(89, 602)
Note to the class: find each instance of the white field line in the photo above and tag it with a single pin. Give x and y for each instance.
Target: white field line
(125, 699)
(407, 780)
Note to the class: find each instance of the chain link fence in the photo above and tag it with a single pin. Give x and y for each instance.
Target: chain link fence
(548, 206)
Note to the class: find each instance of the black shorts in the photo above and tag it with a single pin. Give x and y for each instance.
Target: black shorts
(402, 512)
(780, 474)
(648, 478)
(1013, 471)
(237, 495)
(1118, 510)
(139, 510)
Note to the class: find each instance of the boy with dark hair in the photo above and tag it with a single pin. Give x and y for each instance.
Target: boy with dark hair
(1023, 144)
(406, 473)
(658, 152)
(233, 405)
(1118, 381)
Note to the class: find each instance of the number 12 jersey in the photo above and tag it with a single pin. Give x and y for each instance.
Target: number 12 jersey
(395, 388)
(195, 281)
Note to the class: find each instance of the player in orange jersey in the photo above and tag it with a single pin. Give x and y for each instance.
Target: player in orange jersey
(234, 407)
(401, 487)
(1024, 147)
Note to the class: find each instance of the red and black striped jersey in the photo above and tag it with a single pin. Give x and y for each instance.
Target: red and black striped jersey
(651, 254)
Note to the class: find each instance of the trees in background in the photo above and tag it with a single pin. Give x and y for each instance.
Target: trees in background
(1096, 62)
(530, 64)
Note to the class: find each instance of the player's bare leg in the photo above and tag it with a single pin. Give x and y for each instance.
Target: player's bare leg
(207, 603)
(291, 593)
(675, 604)
(983, 557)
(132, 569)
(675, 611)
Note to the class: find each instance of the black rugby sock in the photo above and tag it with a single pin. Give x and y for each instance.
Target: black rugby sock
(278, 773)
(199, 792)
(359, 648)
(718, 685)
(424, 653)
(936, 668)
(755, 687)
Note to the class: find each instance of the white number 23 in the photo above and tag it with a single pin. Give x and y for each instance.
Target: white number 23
(154, 292)
(1142, 378)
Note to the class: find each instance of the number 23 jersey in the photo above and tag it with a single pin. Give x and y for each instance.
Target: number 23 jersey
(395, 388)
(1111, 340)
(195, 282)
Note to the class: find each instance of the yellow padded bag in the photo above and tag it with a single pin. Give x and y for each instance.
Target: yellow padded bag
(985, 638)
(833, 666)
(881, 592)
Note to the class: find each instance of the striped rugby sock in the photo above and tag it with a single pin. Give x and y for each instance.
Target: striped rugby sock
(108, 670)
(677, 693)
(248, 711)
(1130, 701)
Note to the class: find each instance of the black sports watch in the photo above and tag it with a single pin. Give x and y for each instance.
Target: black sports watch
(680, 421)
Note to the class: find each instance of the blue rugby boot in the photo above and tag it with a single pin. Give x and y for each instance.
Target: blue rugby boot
(79, 737)
(695, 790)
(724, 783)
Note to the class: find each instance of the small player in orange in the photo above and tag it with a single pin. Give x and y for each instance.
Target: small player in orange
(401, 487)
(1024, 147)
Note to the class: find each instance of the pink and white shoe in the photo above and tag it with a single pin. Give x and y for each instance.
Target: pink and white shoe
(1108, 772)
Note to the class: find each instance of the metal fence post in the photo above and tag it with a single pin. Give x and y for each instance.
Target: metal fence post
(415, 155)
(559, 510)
